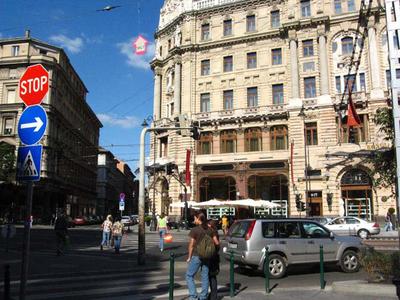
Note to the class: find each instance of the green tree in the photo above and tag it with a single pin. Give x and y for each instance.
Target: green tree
(383, 160)
(7, 162)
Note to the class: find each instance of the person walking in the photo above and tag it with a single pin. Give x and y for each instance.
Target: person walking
(388, 222)
(213, 264)
(162, 229)
(200, 249)
(225, 224)
(61, 230)
(107, 226)
(117, 231)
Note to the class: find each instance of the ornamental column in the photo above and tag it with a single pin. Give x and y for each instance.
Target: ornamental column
(324, 97)
(157, 95)
(177, 88)
(376, 91)
(294, 69)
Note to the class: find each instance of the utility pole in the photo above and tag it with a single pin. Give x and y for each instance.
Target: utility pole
(141, 231)
(393, 35)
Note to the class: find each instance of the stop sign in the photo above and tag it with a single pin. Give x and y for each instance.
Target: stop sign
(34, 85)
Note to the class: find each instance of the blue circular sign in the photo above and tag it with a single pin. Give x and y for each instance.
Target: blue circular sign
(32, 124)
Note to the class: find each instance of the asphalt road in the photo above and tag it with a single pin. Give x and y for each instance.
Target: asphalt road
(84, 261)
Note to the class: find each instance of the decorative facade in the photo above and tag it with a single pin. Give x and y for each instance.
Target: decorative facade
(268, 81)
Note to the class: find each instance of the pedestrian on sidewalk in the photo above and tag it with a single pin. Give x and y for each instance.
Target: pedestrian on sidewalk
(117, 232)
(225, 224)
(61, 230)
(107, 225)
(162, 229)
(388, 222)
(200, 249)
(213, 264)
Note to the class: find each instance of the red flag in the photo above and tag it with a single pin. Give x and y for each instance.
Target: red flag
(187, 173)
(352, 117)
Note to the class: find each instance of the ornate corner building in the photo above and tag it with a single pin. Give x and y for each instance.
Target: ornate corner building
(268, 81)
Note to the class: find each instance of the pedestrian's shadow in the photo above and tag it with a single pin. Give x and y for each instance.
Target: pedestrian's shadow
(225, 291)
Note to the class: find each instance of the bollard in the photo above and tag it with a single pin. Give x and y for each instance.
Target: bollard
(266, 269)
(321, 267)
(171, 276)
(232, 277)
(7, 282)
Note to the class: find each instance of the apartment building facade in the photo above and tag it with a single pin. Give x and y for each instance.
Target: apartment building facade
(70, 143)
(269, 83)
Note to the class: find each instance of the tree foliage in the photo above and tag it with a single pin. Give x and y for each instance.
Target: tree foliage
(7, 162)
(383, 160)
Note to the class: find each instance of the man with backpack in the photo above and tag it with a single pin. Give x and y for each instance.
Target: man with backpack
(202, 247)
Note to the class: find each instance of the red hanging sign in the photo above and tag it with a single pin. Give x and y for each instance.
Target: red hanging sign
(352, 117)
(187, 173)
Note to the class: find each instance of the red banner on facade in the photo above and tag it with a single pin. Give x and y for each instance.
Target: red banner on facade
(187, 173)
(352, 117)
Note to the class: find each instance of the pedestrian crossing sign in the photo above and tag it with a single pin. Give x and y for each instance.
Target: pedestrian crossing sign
(29, 162)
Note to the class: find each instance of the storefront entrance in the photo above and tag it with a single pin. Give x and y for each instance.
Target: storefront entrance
(315, 203)
(356, 186)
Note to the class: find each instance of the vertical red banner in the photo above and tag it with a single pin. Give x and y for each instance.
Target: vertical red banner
(187, 173)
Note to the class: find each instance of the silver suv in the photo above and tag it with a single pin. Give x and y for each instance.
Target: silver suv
(289, 241)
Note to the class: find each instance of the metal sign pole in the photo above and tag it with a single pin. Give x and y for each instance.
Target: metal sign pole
(26, 241)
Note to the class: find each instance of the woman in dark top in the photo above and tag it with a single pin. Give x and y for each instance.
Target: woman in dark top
(213, 264)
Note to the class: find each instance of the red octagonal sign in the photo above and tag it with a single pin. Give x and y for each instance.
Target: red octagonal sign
(34, 85)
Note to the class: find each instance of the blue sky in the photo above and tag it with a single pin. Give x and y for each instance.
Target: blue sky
(99, 46)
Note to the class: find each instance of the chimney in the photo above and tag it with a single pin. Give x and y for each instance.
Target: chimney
(27, 33)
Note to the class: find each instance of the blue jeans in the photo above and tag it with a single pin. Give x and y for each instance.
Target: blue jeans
(117, 242)
(388, 226)
(106, 238)
(162, 234)
(193, 267)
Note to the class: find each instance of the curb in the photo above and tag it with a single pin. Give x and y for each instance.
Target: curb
(362, 287)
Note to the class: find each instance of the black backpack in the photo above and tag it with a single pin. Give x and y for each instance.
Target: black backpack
(205, 247)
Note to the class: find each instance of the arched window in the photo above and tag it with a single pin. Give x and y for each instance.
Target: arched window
(253, 139)
(223, 188)
(228, 141)
(268, 187)
(205, 143)
(347, 45)
(279, 137)
(356, 177)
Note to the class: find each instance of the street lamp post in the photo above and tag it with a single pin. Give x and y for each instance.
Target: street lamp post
(306, 164)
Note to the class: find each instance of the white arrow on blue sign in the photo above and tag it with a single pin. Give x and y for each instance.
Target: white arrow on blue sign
(29, 162)
(32, 124)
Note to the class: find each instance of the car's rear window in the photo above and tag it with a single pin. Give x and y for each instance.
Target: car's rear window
(239, 229)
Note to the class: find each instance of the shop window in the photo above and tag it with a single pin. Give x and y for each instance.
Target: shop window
(279, 138)
(228, 141)
(268, 187)
(253, 139)
(223, 188)
(312, 133)
(205, 143)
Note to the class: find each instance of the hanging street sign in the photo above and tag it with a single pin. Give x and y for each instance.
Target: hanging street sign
(34, 85)
(121, 205)
(32, 124)
(29, 163)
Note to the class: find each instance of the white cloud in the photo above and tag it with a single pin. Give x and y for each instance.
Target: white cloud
(74, 45)
(124, 122)
(134, 60)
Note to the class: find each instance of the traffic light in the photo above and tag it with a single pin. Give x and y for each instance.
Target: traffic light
(302, 206)
(298, 202)
(195, 130)
(169, 169)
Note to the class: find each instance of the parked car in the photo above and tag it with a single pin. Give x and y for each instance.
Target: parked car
(289, 242)
(81, 220)
(126, 220)
(353, 226)
(321, 220)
